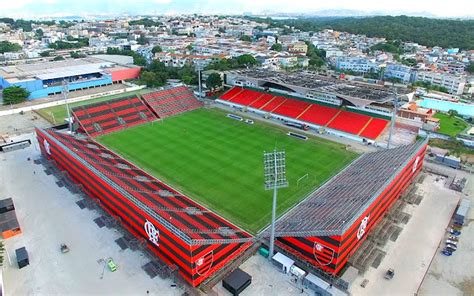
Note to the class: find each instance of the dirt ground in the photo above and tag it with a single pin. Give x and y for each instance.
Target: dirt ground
(17, 124)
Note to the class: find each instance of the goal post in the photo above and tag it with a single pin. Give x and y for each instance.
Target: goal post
(305, 176)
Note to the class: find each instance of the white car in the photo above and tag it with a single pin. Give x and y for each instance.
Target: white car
(451, 242)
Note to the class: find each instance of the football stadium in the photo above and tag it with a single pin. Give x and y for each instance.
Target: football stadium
(188, 179)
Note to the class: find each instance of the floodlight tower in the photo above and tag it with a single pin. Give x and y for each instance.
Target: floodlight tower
(65, 91)
(275, 177)
(394, 116)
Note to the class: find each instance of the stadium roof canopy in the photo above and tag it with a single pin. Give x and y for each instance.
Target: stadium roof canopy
(336, 205)
(360, 94)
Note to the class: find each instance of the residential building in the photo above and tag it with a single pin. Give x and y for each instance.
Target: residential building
(452, 82)
(356, 64)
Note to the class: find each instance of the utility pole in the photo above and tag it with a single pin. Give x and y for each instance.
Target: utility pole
(394, 114)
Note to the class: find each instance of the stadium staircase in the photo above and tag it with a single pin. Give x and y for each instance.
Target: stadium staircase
(346, 121)
(171, 101)
(108, 116)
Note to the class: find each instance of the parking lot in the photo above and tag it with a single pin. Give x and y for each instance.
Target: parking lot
(410, 255)
(49, 216)
(454, 275)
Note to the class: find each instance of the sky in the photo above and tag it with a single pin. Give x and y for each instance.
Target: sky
(56, 8)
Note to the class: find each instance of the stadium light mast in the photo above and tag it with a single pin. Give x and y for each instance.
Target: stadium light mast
(199, 68)
(65, 92)
(394, 116)
(275, 177)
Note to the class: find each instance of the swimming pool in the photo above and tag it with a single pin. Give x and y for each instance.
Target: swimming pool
(462, 109)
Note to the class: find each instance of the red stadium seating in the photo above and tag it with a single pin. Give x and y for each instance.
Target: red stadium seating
(374, 128)
(231, 93)
(346, 121)
(172, 101)
(291, 108)
(318, 114)
(261, 101)
(245, 97)
(273, 104)
(349, 122)
(105, 117)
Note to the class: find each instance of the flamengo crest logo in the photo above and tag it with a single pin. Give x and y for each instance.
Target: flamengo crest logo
(152, 232)
(47, 147)
(204, 264)
(362, 227)
(324, 255)
(415, 165)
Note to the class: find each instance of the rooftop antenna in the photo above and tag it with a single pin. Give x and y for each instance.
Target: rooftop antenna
(274, 178)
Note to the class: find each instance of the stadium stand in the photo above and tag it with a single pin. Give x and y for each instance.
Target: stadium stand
(318, 114)
(246, 97)
(261, 101)
(108, 116)
(274, 103)
(291, 108)
(346, 121)
(331, 223)
(349, 122)
(374, 128)
(172, 101)
(186, 232)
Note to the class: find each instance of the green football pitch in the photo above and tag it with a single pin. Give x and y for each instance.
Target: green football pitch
(218, 162)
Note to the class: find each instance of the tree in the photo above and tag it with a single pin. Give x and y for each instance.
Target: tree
(14, 95)
(245, 38)
(142, 40)
(45, 53)
(452, 113)
(470, 68)
(149, 78)
(77, 55)
(276, 47)
(39, 33)
(6, 46)
(58, 58)
(213, 81)
(156, 49)
(246, 60)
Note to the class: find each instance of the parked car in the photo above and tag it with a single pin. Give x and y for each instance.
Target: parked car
(446, 252)
(389, 274)
(451, 247)
(111, 264)
(453, 237)
(454, 232)
(448, 241)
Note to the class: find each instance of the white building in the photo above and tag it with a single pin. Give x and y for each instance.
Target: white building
(356, 64)
(453, 83)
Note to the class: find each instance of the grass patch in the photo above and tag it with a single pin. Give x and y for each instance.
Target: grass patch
(450, 126)
(219, 162)
(58, 114)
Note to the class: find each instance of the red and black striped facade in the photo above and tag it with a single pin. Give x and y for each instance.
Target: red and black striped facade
(108, 185)
(331, 253)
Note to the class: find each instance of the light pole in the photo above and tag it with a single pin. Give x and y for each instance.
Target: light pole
(199, 68)
(275, 177)
(392, 123)
(65, 92)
